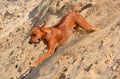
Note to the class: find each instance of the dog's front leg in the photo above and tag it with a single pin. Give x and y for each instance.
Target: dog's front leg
(51, 50)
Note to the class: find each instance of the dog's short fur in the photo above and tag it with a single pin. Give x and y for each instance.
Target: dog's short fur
(57, 35)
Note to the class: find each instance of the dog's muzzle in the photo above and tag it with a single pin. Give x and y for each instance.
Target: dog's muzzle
(35, 43)
(30, 42)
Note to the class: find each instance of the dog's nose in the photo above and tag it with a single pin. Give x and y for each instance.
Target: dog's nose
(30, 42)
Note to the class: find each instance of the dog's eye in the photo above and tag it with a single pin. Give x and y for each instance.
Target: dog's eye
(34, 35)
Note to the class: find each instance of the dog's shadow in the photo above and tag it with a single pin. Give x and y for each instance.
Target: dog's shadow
(32, 73)
(85, 7)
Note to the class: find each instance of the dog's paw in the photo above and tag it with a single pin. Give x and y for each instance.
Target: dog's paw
(91, 29)
(33, 65)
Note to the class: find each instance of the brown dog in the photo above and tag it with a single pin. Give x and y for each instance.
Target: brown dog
(57, 35)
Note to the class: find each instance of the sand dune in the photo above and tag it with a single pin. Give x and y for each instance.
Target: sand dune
(86, 55)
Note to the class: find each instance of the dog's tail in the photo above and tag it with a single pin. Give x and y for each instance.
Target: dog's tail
(77, 6)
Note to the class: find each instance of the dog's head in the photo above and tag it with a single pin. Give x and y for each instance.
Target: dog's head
(36, 35)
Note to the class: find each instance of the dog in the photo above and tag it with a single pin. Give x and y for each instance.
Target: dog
(58, 34)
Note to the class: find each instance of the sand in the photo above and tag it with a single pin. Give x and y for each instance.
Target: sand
(86, 55)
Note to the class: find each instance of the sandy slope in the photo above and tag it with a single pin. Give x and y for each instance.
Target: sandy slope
(85, 56)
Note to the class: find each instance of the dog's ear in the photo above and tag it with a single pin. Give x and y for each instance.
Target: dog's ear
(38, 26)
(43, 25)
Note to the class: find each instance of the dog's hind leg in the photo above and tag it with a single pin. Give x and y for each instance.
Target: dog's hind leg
(83, 23)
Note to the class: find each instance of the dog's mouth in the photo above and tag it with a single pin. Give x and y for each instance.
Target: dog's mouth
(36, 42)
